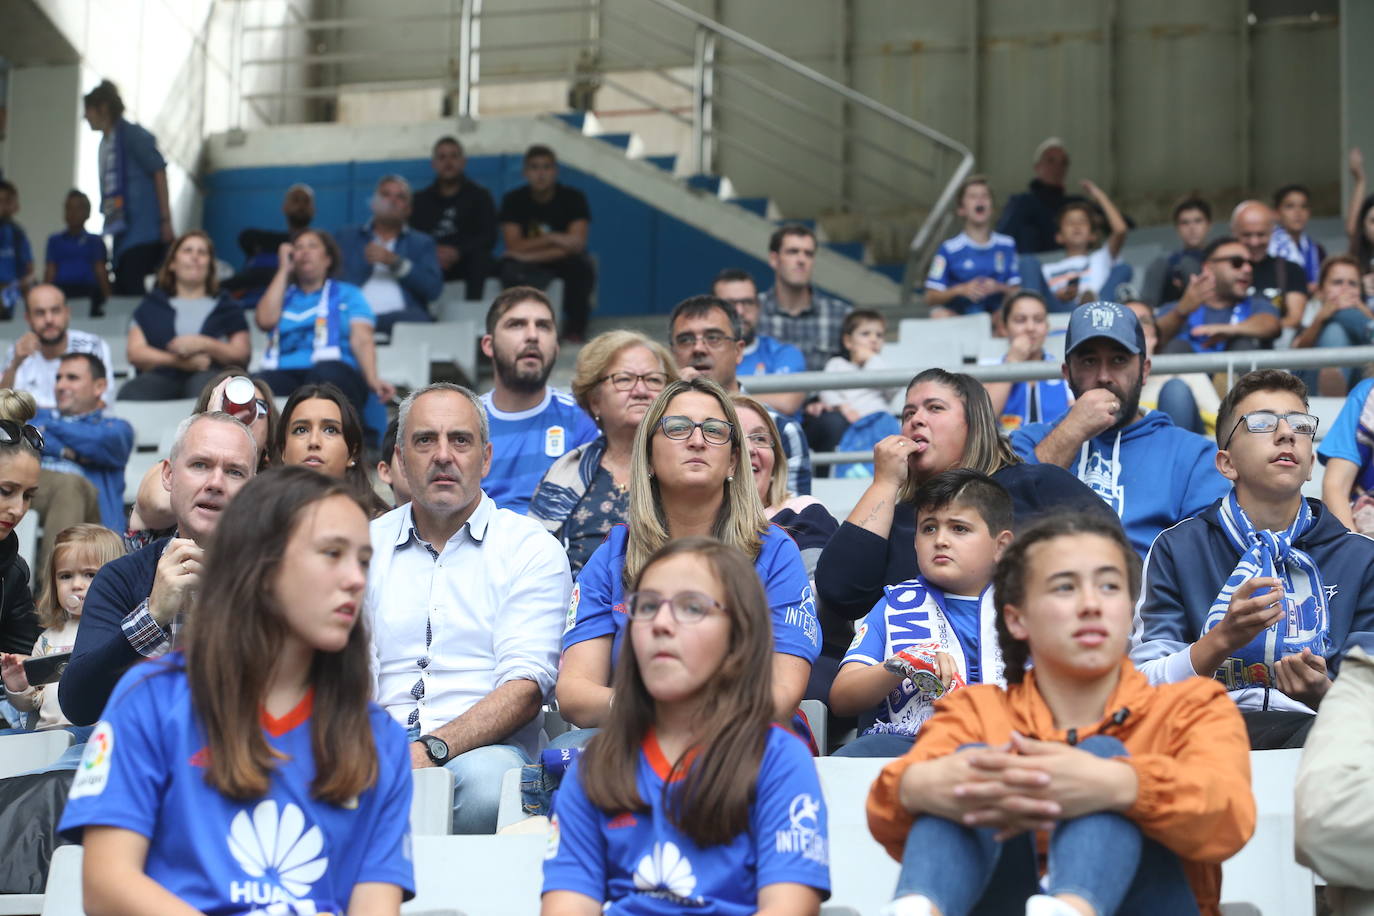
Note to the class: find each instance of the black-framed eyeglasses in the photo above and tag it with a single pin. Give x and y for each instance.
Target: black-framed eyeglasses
(713, 339)
(1236, 261)
(743, 300)
(714, 431)
(624, 381)
(11, 433)
(760, 440)
(1266, 421)
(686, 607)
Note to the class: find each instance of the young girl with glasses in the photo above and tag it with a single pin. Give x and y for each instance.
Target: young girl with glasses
(689, 797)
(250, 771)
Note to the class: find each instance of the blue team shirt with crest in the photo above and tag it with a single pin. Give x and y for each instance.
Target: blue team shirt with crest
(639, 864)
(143, 770)
(526, 443)
(770, 356)
(598, 599)
(961, 259)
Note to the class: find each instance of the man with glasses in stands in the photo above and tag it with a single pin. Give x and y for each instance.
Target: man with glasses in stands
(1217, 312)
(763, 355)
(706, 338)
(1264, 590)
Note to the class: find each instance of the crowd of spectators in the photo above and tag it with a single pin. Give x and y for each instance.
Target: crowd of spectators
(1066, 606)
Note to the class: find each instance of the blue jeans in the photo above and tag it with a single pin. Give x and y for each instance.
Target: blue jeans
(477, 776)
(1346, 328)
(876, 746)
(1101, 857)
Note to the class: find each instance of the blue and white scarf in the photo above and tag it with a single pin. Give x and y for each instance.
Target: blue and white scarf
(1303, 251)
(1306, 621)
(326, 333)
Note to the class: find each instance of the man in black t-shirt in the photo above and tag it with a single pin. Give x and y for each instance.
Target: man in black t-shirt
(461, 216)
(1281, 282)
(544, 225)
(260, 246)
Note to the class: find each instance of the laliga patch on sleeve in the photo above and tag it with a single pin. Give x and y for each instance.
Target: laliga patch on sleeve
(859, 637)
(551, 847)
(937, 266)
(571, 620)
(94, 771)
(554, 444)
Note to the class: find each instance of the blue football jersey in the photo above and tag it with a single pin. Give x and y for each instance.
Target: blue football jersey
(639, 864)
(288, 850)
(525, 444)
(961, 259)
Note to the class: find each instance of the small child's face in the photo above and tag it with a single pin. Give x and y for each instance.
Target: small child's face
(76, 211)
(1192, 227)
(865, 340)
(976, 207)
(9, 204)
(1028, 318)
(1075, 232)
(73, 574)
(955, 549)
(1294, 212)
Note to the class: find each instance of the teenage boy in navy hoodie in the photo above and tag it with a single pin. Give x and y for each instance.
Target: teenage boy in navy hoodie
(1265, 590)
(1149, 471)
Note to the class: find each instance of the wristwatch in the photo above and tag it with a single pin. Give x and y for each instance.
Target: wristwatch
(436, 748)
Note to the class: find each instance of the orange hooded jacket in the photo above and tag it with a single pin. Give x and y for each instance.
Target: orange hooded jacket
(1187, 743)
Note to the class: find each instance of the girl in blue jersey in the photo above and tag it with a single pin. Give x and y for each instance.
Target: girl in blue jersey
(249, 772)
(689, 799)
(689, 475)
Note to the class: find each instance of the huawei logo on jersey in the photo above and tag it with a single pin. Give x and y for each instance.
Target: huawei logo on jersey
(274, 847)
(667, 874)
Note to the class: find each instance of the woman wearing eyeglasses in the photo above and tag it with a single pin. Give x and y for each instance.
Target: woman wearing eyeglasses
(20, 448)
(1264, 590)
(617, 376)
(689, 475)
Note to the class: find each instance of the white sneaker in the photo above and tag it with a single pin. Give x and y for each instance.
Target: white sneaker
(1045, 905)
(910, 905)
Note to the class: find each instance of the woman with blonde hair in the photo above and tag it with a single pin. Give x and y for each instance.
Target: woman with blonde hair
(584, 493)
(689, 475)
(21, 446)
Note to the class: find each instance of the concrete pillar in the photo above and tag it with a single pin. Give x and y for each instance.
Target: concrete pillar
(1357, 75)
(41, 146)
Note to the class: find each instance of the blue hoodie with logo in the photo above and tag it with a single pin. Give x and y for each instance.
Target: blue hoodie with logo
(1189, 564)
(1152, 473)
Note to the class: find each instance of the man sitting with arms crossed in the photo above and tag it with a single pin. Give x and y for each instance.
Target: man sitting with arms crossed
(1265, 590)
(467, 603)
(135, 604)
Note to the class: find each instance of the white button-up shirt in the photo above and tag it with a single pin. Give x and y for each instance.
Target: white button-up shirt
(495, 598)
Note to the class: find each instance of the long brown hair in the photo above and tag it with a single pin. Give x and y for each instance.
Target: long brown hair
(235, 630)
(985, 449)
(718, 775)
(356, 474)
(264, 391)
(167, 281)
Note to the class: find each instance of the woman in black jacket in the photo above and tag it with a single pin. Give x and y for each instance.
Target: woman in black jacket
(20, 447)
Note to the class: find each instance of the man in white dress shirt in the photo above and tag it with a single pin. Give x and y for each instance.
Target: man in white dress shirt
(467, 604)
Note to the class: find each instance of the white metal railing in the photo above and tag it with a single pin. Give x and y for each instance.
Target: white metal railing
(808, 135)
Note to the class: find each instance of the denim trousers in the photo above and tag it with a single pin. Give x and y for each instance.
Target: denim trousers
(1102, 857)
(477, 776)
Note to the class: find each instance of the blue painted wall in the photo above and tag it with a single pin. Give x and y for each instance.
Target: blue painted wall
(647, 260)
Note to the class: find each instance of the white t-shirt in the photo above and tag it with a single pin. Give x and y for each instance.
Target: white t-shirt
(382, 290)
(864, 400)
(1090, 270)
(38, 375)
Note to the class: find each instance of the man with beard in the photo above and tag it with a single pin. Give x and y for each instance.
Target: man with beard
(1218, 310)
(32, 361)
(705, 336)
(461, 216)
(395, 266)
(1149, 471)
(532, 424)
(467, 604)
(763, 355)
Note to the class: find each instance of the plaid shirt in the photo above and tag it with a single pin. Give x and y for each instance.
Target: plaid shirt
(147, 637)
(815, 330)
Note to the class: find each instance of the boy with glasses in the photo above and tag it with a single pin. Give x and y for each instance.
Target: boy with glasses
(1265, 590)
(1217, 311)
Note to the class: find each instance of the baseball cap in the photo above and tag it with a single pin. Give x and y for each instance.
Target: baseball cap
(1104, 319)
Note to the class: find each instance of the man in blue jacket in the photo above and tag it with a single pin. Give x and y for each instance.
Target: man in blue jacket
(396, 266)
(79, 438)
(1149, 471)
(1265, 590)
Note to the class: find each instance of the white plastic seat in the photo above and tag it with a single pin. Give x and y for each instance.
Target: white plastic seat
(152, 419)
(509, 810)
(1326, 410)
(431, 804)
(839, 495)
(30, 751)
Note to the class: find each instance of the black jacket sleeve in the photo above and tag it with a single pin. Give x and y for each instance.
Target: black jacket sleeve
(18, 624)
(857, 563)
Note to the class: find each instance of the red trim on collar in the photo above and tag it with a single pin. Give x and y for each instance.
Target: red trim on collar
(278, 727)
(658, 762)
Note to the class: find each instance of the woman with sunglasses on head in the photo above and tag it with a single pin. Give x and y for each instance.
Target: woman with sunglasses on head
(21, 446)
(689, 476)
(617, 376)
(320, 430)
(1265, 590)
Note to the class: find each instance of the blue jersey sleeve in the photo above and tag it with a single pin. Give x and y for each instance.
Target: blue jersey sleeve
(870, 640)
(793, 606)
(938, 278)
(575, 859)
(124, 771)
(388, 860)
(355, 305)
(788, 359)
(1014, 265)
(789, 821)
(590, 612)
(1340, 441)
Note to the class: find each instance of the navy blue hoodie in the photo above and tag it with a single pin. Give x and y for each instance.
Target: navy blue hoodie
(1190, 562)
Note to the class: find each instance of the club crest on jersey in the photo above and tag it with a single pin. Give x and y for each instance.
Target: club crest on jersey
(555, 441)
